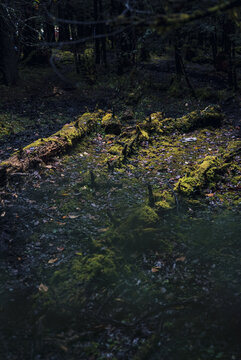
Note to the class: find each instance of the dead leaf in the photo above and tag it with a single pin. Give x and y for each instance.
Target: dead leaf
(52, 261)
(154, 270)
(210, 195)
(43, 288)
(60, 248)
(64, 348)
(60, 223)
(73, 216)
(181, 258)
(103, 230)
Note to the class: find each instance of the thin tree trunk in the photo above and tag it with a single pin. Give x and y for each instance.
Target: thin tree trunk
(181, 71)
(103, 39)
(96, 33)
(9, 55)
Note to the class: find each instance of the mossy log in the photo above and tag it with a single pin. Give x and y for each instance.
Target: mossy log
(210, 116)
(125, 146)
(44, 149)
(206, 173)
(111, 124)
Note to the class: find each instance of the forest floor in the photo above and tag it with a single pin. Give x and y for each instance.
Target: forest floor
(84, 274)
(42, 103)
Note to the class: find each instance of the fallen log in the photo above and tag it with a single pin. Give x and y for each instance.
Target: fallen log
(128, 142)
(207, 173)
(44, 149)
(204, 174)
(210, 116)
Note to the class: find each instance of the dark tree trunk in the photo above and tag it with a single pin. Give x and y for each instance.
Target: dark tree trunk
(75, 47)
(29, 36)
(103, 38)
(96, 32)
(64, 33)
(228, 31)
(180, 68)
(8, 54)
(178, 62)
(214, 45)
(49, 32)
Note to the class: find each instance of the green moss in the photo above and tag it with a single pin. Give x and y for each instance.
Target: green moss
(111, 124)
(115, 149)
(143, 135)
(152, 123)
(106, 119)
(236, 180)
(210, 116)
(164, 200)
(144, 216)
(12, 124)
(204, 175)
(138, 231)
(69, 132)
(96, 267)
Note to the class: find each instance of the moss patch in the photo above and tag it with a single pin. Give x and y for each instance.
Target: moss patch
(204, 175)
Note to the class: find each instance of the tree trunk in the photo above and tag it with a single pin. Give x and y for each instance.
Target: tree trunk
(96, 33)
(9, 56)
(64, 33)
(103, 39)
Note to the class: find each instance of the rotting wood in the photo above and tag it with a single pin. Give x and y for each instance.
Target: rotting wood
(42, 150)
